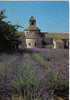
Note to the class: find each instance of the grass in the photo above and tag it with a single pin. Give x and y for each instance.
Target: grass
(39, 59)
(27, 77)
(26, 64)
(8, 62)
(5, 67)
(27, 73)
(48, 58)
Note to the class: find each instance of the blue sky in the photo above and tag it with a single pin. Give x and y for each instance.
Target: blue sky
(50, 16)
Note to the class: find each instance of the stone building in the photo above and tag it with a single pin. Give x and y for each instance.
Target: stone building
(58, 43)
(56, 40)
(32, 35)
(33, 38)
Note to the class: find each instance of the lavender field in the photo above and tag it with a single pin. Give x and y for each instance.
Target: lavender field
(35, 74)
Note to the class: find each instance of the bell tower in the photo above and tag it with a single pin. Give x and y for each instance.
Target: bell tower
(32, 21)
(32, 34)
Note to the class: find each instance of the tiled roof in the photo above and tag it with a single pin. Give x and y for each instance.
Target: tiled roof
(57, 35)
(47, 35)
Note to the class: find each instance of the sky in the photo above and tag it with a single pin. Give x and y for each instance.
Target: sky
(51, 16)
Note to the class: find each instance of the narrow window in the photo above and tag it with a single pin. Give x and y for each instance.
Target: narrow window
(35, 44)
(29, 44)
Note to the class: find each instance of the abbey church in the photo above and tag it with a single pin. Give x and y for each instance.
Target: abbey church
(32, 37)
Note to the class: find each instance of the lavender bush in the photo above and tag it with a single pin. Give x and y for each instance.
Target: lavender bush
(33, 76)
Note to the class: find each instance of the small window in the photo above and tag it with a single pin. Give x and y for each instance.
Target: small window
(35, 44)
(32, 23)
(27, 32)
(29, 44)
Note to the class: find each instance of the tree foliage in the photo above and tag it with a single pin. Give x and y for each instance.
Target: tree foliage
(9, 39)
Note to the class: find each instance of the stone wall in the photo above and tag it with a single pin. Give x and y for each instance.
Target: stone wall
(33, 39)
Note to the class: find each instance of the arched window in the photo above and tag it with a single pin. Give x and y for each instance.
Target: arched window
(35, 44)
(29, 44)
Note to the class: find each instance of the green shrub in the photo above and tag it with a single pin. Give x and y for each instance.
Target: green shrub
(26, 77)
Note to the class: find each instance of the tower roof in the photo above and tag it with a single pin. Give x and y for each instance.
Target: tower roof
(32, 28)
(32, 18)
(32, 25)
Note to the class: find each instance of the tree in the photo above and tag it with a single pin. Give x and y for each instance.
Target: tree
(9, 39)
